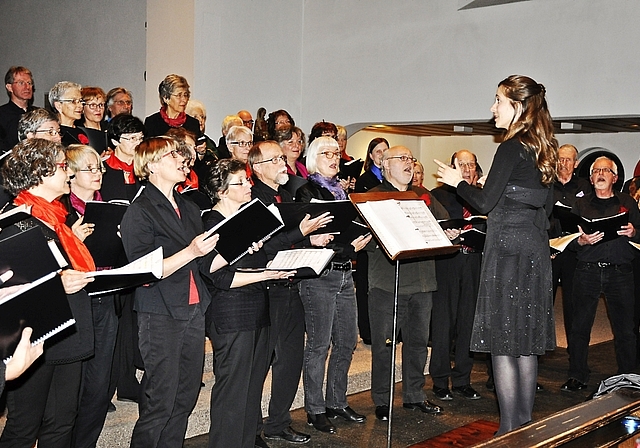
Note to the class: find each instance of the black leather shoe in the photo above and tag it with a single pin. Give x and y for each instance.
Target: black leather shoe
(321, 423)
(573, 385)
(423, 406)
(442, 393)
(539, 387)
(467, 392)
(290, 435)
(490, 384)
(260, 443)
(382, 412)
(347, 413)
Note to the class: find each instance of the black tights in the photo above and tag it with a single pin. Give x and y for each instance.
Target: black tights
(515, 379)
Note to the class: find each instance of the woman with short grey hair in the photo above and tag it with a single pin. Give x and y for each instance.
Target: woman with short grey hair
(66, 98)
(174, 95)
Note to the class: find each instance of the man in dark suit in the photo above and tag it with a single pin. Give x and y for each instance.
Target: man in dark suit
(286, 339)
(19, 84)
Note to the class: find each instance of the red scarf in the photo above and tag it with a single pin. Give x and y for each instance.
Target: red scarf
(126, 168)
(55, 214)
(190, 183)
(173, 122)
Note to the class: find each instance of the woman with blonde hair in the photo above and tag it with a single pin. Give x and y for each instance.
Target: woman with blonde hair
(514, 312)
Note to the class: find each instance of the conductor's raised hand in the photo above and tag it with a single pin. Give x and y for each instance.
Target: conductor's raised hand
(203, 244)
(448, 175)
(308, 225)
(360, 242)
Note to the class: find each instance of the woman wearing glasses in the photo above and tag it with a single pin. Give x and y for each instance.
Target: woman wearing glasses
(239, 142)
(43, 404)
(170, 310)
(514, 312)
(66, 98)
(174, 96)
(92, 121)
(86, 171)
(329, 303)
(239, 313)
(292, 141)
(39, 123)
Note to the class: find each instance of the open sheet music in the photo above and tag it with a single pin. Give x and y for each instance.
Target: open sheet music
(301, 259)
(145, 269)
(403, 225)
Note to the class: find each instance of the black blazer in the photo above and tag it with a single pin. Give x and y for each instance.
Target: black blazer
(151, 222)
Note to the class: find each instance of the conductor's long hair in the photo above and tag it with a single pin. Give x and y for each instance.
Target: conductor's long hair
(534, 126)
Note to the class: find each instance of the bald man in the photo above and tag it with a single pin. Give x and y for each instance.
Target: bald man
(247, 119)
(417, 283)
(454, 303)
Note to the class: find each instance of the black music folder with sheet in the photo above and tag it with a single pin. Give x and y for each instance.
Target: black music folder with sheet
(41, 305)
(343, 213)
(609, 225)
(29, 255)
(15, 215)
(146, 269)
(105, 243)
(351, 169)
(253, 223)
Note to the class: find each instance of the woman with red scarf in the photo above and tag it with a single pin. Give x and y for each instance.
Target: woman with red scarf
(174, 96)
(43, 403)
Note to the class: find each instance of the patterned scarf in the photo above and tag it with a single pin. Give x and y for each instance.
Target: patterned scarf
(55, 214)
(330, 183)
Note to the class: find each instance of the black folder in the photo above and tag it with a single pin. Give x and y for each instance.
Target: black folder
(28, 255)
(352, 169)
(459, 223)
(14, 215)
(104, 243)
(253, 223)
(294, 183)
(41, 305)
(343, 213)
(568, 221)
(473, 238)
(609, 225)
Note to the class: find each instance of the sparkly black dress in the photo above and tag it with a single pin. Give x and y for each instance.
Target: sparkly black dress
(514, 312)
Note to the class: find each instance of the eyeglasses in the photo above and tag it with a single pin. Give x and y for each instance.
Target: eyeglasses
(23, 83)
(279, 122)
(242, 144)
(64, 165)
(246, 181)
(467, 165)
(603, 171)
(175, 154)
(182, 95)
(133, 138)
(404, 159)
(331, 154)
(52, 132)
(294, 142)
(95, 106)
(74, 101)
(95, 170)
(123, 102)
(273, 160)
(248, 123)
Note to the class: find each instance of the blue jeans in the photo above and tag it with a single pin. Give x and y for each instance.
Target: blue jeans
(616, 282)
(330, 314)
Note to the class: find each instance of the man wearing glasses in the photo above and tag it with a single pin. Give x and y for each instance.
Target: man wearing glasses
(247, 119)
(19, 84)
(119, 101)
(417, 283)
(603, 267)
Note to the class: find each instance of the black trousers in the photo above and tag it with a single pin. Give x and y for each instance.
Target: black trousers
(241, 363)
(172, 353)
(563, 268)
(96, 372)
(285, 351)
(126, 353)
(42, 404)
(454, 306)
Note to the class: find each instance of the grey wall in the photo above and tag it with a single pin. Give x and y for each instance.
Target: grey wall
(100, 43)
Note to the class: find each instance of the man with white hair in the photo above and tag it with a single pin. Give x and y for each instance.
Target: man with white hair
(603, 267)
